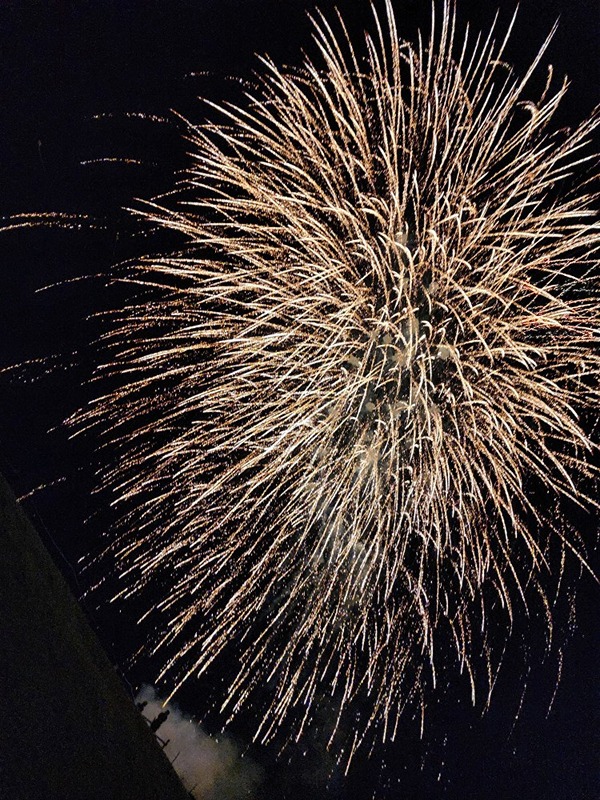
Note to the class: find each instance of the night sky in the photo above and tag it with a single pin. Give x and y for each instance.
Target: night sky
(75, 78)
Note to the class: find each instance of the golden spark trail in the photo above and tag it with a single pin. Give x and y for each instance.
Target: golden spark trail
(336, 401)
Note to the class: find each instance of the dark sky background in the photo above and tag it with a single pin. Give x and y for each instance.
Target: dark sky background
(62, 64)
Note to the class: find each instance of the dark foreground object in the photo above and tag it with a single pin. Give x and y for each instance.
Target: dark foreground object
(68, 729)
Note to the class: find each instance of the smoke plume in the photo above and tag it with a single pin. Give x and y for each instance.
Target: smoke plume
(209, 768)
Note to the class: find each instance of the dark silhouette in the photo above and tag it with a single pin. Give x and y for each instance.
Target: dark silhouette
(158, 721)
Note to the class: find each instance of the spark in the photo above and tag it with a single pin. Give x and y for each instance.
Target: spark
(334, 404)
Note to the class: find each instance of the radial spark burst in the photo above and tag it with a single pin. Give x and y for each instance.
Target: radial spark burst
(347, 409)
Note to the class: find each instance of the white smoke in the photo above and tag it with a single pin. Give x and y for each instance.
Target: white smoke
(210, 768)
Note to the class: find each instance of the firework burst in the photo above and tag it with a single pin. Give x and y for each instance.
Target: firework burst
(339, 405)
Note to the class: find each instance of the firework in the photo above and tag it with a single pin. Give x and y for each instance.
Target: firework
(336, 409)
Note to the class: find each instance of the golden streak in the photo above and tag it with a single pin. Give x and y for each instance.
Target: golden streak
(338, 404)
